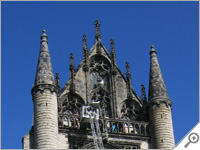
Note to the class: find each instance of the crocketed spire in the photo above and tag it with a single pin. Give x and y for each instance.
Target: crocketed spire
(128, 78)
(71, 68)
(44, 73)
(113, 57)
(85, 54)
(97, 31)
(144, 99)
(157, 87)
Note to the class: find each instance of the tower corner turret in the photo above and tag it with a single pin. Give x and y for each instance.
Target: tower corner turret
(159, 107)
(44, 93)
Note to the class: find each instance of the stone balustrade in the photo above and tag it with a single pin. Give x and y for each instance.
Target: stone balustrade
(125, 126)
(107, 125)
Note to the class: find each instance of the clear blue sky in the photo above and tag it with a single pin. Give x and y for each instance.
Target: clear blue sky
(173, 27)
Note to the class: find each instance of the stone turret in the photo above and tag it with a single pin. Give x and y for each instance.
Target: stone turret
(159, 107)
(44, 93)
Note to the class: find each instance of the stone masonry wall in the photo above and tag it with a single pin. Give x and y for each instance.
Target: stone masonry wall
(121, 91)
(27, 141)
(45, 120)
(80, 83)
(63, 141)
(161, 127)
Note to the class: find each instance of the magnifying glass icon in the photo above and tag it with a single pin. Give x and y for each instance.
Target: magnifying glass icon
(193, 138)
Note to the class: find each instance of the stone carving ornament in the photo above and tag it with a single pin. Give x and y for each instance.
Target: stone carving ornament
(99, 65)
(101, 95)
(130, 110)
(71, 104)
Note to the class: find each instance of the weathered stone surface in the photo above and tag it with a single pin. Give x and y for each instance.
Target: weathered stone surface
(27, 141)
(161, 127)
(63, 141)
(124, 120)
(45, 120)
(44, 73)
(159, 105)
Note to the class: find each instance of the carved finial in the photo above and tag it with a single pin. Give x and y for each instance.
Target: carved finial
(84, 42)
(43, 36)
(97, 34)
(97, 24)
(128, 77)
(113, 56)
(152, 50)
(128, 73)
(58, 80)
(144, 99)
(72, 85)
(71, 67)
(85, 54)
(71, 62)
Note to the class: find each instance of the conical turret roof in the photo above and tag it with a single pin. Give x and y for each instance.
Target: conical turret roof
(44, 73)
(157, 88)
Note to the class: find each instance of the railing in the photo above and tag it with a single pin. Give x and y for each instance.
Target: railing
(70, 121)
(124, 126)
(114, 126)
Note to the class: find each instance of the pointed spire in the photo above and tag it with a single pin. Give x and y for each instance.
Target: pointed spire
(44, 73)
(85, 54)
(58, 80)
(97, 31)
(128, 78)
(98, 37)
(128, 73)
(72, 85)
(157, 87)
(113, 57)
(144, 98)
(71, 64)
(84, 44)
(144, 101)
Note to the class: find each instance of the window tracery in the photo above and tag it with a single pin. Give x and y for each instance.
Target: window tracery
(130, 110)
(71, 104)
(99, 71)
(103, 97)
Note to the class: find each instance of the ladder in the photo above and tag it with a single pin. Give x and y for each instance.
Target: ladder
(96, 133)
(100, 142)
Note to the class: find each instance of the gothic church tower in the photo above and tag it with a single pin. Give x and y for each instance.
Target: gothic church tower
(159, 105)
(123, 119)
